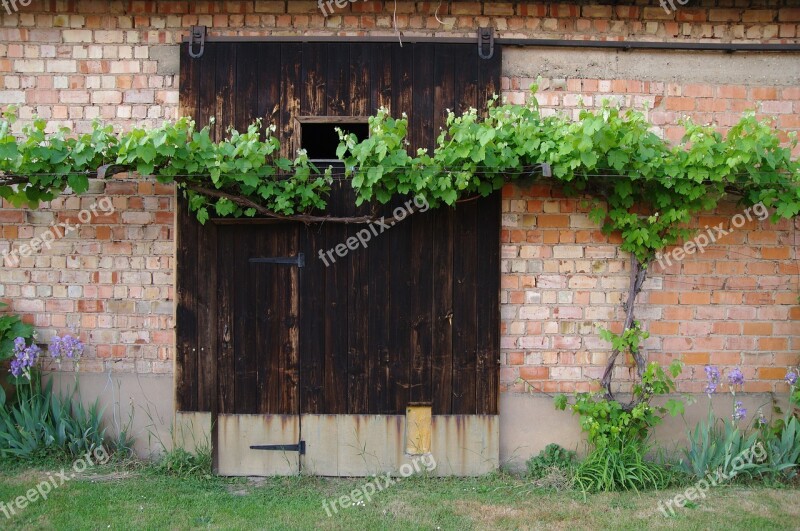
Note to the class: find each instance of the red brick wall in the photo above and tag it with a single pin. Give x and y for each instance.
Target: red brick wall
(71, 62)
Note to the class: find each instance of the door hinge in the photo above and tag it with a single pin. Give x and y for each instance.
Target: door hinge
(486, 43)
(299, 447)
(197, 35)
(299, 260)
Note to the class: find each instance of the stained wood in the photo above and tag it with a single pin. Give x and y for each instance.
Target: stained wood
(186, 311)
(269, 85)
(488, 310)
(224, 108)
(442, 337)
(414, 317)
(206, 87)
(226, 346)
(465, 307)
(206, 319)
(245, 309)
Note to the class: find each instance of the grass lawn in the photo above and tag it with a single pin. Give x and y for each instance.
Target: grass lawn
(130, 498)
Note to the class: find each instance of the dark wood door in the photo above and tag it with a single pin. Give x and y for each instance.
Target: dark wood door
(412, 318)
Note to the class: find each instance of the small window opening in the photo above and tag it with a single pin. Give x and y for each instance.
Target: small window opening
(320, 139)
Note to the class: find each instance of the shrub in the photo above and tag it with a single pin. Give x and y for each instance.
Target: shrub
(42, 424)
(553, 456)
(623, 466)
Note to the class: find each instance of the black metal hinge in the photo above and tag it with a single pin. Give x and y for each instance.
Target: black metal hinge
(299, 447)
(197, 35)
(485, 43)
(299, 260)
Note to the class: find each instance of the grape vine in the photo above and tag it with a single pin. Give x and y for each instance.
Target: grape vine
(641, 186)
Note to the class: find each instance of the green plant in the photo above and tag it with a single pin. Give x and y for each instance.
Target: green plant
(553, 456)
(11, 327)
(783, 450)
(610, 468)
(179, 462)
(608, 422)
(716, 445)
(641, 186)
(41, 423)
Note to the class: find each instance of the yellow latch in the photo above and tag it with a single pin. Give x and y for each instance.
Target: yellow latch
(418, 429)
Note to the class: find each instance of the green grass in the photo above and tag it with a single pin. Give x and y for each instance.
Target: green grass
(136, 497)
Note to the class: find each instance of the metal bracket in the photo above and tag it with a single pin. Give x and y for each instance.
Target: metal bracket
(299, 260)
(486, 43)
(197, 35)
(299, 447)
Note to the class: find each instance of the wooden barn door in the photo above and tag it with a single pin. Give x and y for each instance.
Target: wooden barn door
(259, 275)
(352, 367)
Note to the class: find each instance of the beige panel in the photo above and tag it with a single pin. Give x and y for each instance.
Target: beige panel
(418, 430)
(363, 445)
(192, 431)
(235, 435)
(465, 445)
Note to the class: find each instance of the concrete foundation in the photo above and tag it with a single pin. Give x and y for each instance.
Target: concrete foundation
(528, 423)
(143, 402)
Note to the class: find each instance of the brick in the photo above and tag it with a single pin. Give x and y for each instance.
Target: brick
(789, 15)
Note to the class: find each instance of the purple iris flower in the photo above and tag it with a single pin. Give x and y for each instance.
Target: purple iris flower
(791, 377)
(739, 412)
(736, 377)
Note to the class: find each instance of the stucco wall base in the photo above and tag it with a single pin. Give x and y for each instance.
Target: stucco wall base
(144, 401)
(528, 423)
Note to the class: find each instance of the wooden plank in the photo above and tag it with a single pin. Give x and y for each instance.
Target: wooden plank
(245, 93)
(466, 80)
(262, 246)
(207, 97)
(420, 258)
(423, 97)
(400, 312)
(402, 83)
(189, 84)
(269, 84)
(444, 93)
(359, 362)
(225, 101)
(338, 80)
(379, 322)
(186, 308)
(362, 67)
(442, 340)
(442, 248)
(381, 86)
(313, 98)
(275, 278)
(207, 317)
(288, 280)
(488, 309)
(358, 309)
(245, 310)
(465, 309)
(226, 270)
(312, 338)
(335, 386)
(290, 76)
